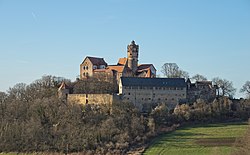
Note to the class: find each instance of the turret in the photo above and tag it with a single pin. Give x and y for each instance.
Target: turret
(133, 51)
(63, 91)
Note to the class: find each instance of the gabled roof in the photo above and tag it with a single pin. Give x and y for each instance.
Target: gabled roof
(63, 86)
(188, 80)
(122, 61)
(119, 69)
(96, 61)
(142, 67)
(153, 82)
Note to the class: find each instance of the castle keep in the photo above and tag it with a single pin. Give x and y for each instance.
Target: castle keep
(137, 83)
(125, 67)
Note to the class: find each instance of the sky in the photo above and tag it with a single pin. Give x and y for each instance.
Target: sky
(45, 37)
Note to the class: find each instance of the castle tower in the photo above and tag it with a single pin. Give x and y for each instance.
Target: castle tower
(133, 51)
(63, 91)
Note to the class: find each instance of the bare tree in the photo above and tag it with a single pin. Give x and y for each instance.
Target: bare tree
(17, 92)
(225, 87)
(3, 97)
(199, 77)
(172, 70)
(246, 88)
(49, 81)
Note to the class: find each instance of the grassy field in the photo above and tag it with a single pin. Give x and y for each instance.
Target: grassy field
(213, 139)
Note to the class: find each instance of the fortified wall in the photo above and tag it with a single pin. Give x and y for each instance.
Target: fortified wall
(93, 98)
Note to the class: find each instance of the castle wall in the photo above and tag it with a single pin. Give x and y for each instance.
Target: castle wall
(141, 96)
(92, 98)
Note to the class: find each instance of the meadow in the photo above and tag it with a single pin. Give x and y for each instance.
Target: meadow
(212, 139)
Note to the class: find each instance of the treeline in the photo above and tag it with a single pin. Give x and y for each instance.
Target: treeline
(222, 109)
(33, 119)
(49, 125)
(94, 85)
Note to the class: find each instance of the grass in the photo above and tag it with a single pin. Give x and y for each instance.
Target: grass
(212, 139)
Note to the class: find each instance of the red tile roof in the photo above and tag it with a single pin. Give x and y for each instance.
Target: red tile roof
(122, 61)
(116, 68)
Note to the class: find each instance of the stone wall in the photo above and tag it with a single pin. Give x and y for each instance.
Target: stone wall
(140, 96)
(92, 98)
(86, 69)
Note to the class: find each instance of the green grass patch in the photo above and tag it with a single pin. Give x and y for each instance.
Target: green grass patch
(209, 139)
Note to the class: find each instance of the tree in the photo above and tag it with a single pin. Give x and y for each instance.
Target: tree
(172, 70)
(17, 92)
(224, 87)
(3, 97)
(199, 77)
(246, 88)
(94, 85)
(49, 81)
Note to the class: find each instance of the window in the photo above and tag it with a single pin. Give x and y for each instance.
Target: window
(85, 67)
(87, 74)
(94, 67)
(134, 87)
(128, 93)
(102, 66)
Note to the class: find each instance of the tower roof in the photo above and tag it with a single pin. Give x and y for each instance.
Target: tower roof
(132, 42)
(63, 86)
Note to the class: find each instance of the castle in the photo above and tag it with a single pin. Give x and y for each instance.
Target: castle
(126, 67)
(137, 83)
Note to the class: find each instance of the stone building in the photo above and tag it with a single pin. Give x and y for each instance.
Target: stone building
(90, 64)
(200, 90)
(126, 67)
(144, 92)
(137, 84)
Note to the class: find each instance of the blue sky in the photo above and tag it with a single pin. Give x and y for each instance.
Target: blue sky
(209, 37)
